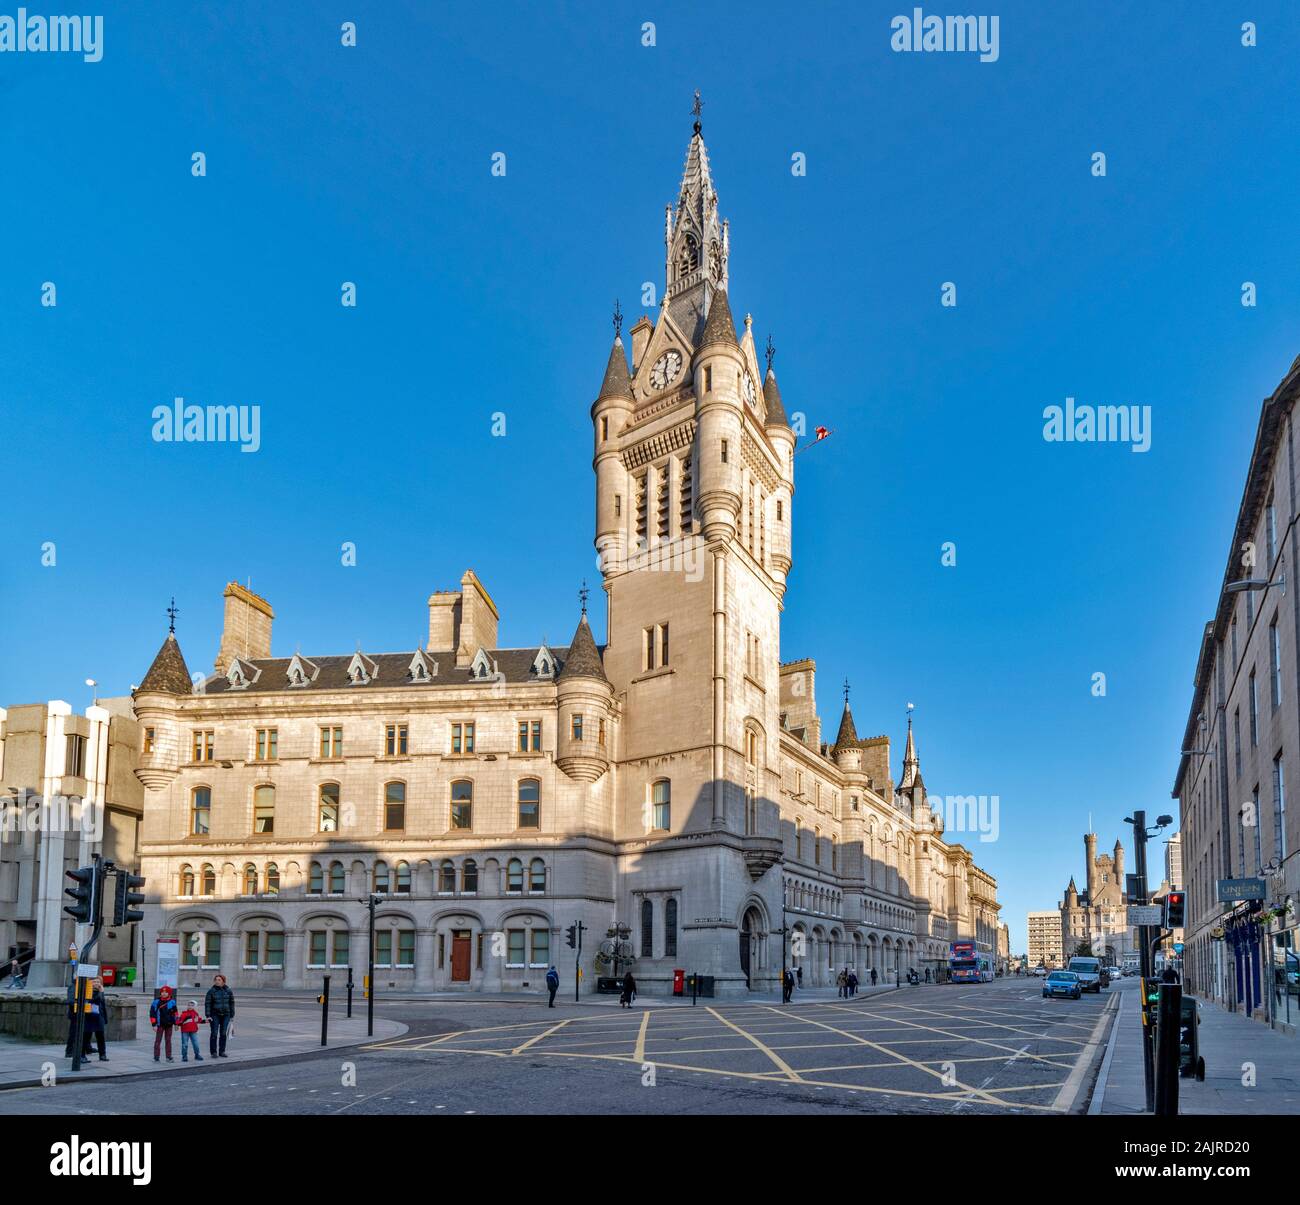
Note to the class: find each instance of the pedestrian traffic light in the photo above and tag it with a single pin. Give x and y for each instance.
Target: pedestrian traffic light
(1175, 908)
(124, 909)
(83, 910)
(571, 937)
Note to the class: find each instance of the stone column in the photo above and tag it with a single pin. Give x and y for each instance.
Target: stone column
(295, 961)
(425, 948)
(493, 964)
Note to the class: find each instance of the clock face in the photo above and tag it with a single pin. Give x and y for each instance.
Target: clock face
(749, 390)
(665, 369)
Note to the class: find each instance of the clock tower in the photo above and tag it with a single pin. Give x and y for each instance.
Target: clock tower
(694, 482)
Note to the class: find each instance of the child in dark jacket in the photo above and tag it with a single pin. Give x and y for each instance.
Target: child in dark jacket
(189, 1023)
(162, 1016)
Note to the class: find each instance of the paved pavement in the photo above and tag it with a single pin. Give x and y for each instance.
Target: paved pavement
(1249, 1068)
(978, 1048)
(262, 1031)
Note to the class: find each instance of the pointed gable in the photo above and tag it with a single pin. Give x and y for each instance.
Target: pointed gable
(241, 674)
(422, 668)
(482, 667)
(300, 671)
(361, 670)
(543, 664)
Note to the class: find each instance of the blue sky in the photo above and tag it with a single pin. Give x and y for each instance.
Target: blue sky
(480, 294)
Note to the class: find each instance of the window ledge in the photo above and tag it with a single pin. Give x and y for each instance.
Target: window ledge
(758, 686)
(662, 672)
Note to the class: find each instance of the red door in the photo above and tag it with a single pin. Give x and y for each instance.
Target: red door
(460, 956)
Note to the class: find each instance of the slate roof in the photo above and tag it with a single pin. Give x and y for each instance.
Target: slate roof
(617, 382)
(772, 400)
(848, 736)
(718, 326)
(168, 673)
(583, 658)
(392, 671)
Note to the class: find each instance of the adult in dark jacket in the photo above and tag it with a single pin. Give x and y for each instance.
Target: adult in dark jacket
(97, 1020)
(162, 1016)
(219, 1008)
(629, 991)
(552, 985)
(787, 987)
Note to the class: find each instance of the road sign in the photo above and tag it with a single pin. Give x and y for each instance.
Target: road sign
(1232, 891)
(87, 970)
(1145, 914)
(1178, 947)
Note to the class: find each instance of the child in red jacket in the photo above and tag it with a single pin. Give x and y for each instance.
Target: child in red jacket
(189, 1022)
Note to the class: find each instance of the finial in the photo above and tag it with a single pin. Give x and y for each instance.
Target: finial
(771, 352)
(697, 109)
(618, 320)
(171, 614)
(909, 715)
(582, 595)
(846, 692)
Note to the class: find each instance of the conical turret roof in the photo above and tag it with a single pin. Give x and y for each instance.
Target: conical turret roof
(618, 382)
(772, 400)
(848, 734)
(583, 660)
(168, 674)
(718, 326)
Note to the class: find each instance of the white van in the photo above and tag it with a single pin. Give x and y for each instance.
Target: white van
(1089, 972)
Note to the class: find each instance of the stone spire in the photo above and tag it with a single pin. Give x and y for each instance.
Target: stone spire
(911, 763)
(168, 674)
(698, 241)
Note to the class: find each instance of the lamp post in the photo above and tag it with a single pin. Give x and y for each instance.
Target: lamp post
(1140, 834)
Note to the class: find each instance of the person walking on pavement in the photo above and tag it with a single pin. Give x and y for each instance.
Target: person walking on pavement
(853, 983)
(96, 1020)
(873, 976)
(552, 984)
(787, 986)
(1169, 975)
(629, 991)
(189, 1023)
(162, 1016)
(798, 971)
(219, 1009)
(842, 983)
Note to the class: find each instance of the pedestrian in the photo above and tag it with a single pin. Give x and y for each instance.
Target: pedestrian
(219, 1009)
(927, 974)
(1169, 975)
(629, 991)
(842, 983)
(552, 984)
(96, 1023)
(787, 986)
(16, 977)
(853, 983)
(162, 1016)
(798, 971)
(873, 976)
(189, 1023)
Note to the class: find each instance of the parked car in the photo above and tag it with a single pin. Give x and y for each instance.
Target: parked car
(1063, 983)
(1089, 971)
(1041, 972)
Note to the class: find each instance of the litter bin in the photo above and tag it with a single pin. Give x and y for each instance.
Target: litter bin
(126, 975)
(1190, 1061)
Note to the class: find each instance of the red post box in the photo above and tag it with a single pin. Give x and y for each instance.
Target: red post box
(109, 975)
(679, 983)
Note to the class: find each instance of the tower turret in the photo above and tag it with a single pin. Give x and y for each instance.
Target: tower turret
(778, 431)
(609, 413)
(719, 372)
(1090, 849)
(584, 698)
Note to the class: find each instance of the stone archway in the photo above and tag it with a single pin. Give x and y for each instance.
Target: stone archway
(752, 960)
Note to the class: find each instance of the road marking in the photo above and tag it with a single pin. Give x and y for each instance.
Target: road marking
(639, 1053)
(1070, 1090)
(546, 1033)
(771, 1054)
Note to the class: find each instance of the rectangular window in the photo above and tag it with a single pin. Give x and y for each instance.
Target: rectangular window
(661, 805)
(685, 495)
(618, 506)
(252, 948)
(530, 736)
(649, 658)
(663, 644)
(211, 949)
(541, 953)
(1275, 663)
(150, 737)
(317, 956)
(708, 384)
(577, 726)
(331, 743)
(1270, 534)
(202, 799)
(462, 804)
(274, 959)
(1279, 811)
(604, 427)
(642, 506)
(202, 745)
(1233, 630)
(462, 738)
(339, 957)
(268, 744)
(1236, 737)
(655, 649)
(724, 451)
(600, 733)
(189, 950)
(395, 740)
(75, 756)
(515, 947)
(1254, 711)
(383, 947)
(405, 947)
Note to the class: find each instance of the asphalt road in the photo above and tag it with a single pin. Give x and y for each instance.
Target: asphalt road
(981, 1048)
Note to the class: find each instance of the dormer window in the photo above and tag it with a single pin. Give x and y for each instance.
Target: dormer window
(239, 674)
(482, 667)
(421, 668)
(544, 663)
(361, 670)
(301, 672)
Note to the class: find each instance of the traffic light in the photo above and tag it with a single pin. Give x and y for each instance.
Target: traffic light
(125, 899)
(571, 936)
(84, 911)
(1175, 908)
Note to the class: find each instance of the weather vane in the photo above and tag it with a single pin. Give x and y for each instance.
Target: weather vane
(771, 352)
(172, 613)
(846, 692)
(618, 319)
(697, 109)
(582, 594)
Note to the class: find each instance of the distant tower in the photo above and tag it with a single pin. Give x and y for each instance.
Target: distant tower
(1090, 849)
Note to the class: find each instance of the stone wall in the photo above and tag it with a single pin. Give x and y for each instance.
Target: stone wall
(43, 1016)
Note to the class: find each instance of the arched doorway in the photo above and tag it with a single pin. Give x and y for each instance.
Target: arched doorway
(750, 927)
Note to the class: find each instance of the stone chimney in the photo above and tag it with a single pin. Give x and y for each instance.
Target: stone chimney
(463, 621)
(246, 631)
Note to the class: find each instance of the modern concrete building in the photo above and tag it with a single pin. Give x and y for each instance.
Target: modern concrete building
(1045, 938)
(672, 780)
(1241, 747)
(1174, 861)
(68, 791)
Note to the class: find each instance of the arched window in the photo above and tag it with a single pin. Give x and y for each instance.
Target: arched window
(670, 929)
(250, 879)
(530, 794)
(447, 877)
(514, 876)
(403, 878)
(647, 929)
(272, 879)
(817, 846)
(209, 879)
(328, 809)
(661, 804)
(338, 878)
(469, 876)
(537, 875)
(186, 880)
(201, 811)
(264, 808)
(462, 803)
(381, 876)
(316, 883)
(394, 806)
